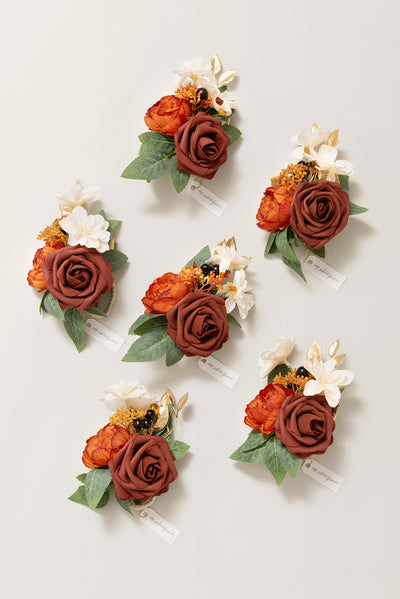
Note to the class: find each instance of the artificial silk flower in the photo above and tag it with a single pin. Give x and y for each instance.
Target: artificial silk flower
(191, 70)
(228, 259)
(222, 103)
(328, 380)
(77, 195)
(308, 138)
(277, 355)
(325, 160)
(127, 394)
(236, 294)
(85, 229)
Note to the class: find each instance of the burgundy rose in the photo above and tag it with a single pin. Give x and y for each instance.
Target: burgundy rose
(305, 424)
(201, 146)
(143, 468)
(199, 324)
(319, 211)
(77, 276)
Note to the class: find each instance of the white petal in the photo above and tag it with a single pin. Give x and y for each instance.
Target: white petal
(326, 157)
(343, 167)
(332, 395)
(312, 388)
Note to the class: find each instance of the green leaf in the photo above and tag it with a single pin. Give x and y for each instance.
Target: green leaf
(96, 484)
(157, 142)
(290, 461)
(282, 369)
(285, 248)
(124, 504)
(270, 243)
(320, 252)
(344, 182)
(294, 266)
(252, 449)
(232, 320)
(147, 348)
(42, 301)
(296, 239)
(144, 318)
(354, 209)
(147, 167)
(79, 496)
(51, 306)
(232, 132)
(115, 258)
(223, 88)
(158, 325)
(75, 327)
(81, 477)
(179, 178)
(96, 311)
(273, 460)
(173, 353)
(177, 448)
(112, 224)
(202, 256)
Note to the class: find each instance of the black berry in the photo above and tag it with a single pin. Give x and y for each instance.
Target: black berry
(203, 93)
(150, 414)
(205, 268)
(146, 423)
(289, 386)
(215, 269)
(138, 424)
(302, 371)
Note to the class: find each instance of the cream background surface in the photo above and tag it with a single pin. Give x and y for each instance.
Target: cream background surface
(78, 78)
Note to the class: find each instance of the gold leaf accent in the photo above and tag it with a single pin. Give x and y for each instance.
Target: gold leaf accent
(334, 348)
(162, 418)
(314, 353)
(165, 399)
(182, 402)
(216, 64)
(231, 243)
(226, 78)
(339, 359)
(333, 138)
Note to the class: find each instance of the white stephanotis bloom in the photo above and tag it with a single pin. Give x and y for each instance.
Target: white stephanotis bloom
(309, 138)
(228, 258)
(328, 380)
(237, 294)
(78, 195)
(277, 355)
(86, 229)
(128, 394)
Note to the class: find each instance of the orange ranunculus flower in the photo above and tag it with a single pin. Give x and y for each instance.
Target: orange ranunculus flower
(168, 114)
(262, 412)
(104, 445)
(35, 275)
(164, 293)
(273, 212)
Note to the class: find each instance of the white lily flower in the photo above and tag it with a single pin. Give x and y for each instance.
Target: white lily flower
(78, 195)
(191, 70)
(128, 394)
(228, 258)
(325, 160)
(309, 138)
(237, 294)
(328, 380)
(277, 355)
(86, 229)
(224, 104)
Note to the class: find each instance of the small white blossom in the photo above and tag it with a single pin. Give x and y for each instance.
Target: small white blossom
(236, 294)
(309, 138)
(86, 229)
(127, 394)
(78, 195)
(228, 258)
(328, 380)
(277, 355)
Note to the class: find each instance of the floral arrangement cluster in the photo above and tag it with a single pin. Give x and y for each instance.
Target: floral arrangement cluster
(293, 417)
(74, 268)
(308, 201)
(189, 130)
(189, 313)
(133, 454)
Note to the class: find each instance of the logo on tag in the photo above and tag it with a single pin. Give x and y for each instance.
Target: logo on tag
(323, 271)
(219, 371)
(103, 335)
(205, 197)
(322, 475)
(159, 525)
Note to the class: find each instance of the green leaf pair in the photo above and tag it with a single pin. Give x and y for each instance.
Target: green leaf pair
(178, 448)
(95, 491)
(153, 342)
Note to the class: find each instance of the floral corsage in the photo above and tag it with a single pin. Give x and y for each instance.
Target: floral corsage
(293, 417)
(75, 266)
(189, 313)
(190, 130)
(134, 454)
(308, 201)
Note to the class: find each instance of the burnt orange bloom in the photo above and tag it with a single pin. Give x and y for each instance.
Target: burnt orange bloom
(262, 412)
(104, 445)
(168, 114)
(273, 212)
(164, 293)
(35, 275)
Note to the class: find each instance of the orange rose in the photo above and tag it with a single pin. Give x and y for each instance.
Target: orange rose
(164, 293)
(104, 445)
(262, 412)
(273, 212)
(35, 275)
(167, 115)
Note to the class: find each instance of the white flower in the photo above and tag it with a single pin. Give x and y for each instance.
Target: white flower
(237, 294)
(309, 138)
(86, 229)
(228, 258)
(77, 196)
(278, 355)
(126, 394)
(328, 380)
(225, 103)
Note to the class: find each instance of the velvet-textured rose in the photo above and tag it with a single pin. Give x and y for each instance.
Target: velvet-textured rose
(319, 211)
(167, 115)
(199, 324)
(77, 276)
(201, 146)
(263, 410)
(104, 445)
(164, 293)
(305, 424)
(143, 468)
(36, 277)
(273, 212)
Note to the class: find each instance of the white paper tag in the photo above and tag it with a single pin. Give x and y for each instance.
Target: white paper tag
(158, 524)
(322, 474)
(205, 197)
(103, 335)
(219, 371)
(323, 271)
